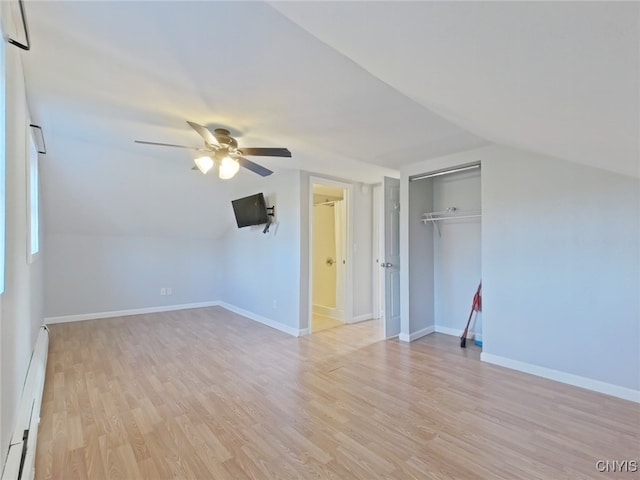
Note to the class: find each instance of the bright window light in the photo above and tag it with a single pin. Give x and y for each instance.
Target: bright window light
(2, 160)
(34, 200)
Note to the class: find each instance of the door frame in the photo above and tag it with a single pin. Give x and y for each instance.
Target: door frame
(378, 253)
(422, 169)
(348, 253)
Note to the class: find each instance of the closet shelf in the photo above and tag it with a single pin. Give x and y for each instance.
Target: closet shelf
(450, 214)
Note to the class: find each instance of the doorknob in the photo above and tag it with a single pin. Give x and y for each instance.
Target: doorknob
(386, 265)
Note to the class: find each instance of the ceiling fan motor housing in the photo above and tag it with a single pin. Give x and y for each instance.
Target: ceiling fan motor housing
(223, 152)
(224, 138)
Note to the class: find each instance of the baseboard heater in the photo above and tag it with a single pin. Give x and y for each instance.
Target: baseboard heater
(20, 464)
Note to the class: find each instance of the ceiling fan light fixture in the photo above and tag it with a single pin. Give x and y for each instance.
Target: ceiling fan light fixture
(228, 168)
(222, 149)
(204, 164)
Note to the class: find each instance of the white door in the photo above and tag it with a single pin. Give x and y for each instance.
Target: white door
(391, 261)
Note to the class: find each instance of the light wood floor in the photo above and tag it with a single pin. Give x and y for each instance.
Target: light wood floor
(322, 322)
(207, 394)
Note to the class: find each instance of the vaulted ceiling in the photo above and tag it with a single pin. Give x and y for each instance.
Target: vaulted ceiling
(558, 78)
(353, 89)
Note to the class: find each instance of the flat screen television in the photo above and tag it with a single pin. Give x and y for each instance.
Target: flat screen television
(250, 210)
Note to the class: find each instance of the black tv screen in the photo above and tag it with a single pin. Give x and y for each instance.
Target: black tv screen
(250, 210)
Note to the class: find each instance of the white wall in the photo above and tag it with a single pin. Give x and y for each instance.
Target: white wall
(245, 269)
(262, 271)
(88, 274)
(456, 266)
(362, 251)
(21, 306)
(560, 267)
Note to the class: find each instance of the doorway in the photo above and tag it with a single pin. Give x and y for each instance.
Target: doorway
(330, 256)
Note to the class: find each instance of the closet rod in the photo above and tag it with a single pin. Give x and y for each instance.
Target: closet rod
(452, 217)
(452, 212)
(444, 172)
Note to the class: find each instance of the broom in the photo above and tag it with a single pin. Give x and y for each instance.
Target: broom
(476, 306)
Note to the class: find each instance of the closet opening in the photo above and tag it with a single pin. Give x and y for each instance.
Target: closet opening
(445, 250)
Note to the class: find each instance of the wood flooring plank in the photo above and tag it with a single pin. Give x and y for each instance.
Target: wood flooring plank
(74, 464)
(93, 454)
(149, 470)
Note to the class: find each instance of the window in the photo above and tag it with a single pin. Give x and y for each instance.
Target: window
(3, 152)
(34, 200)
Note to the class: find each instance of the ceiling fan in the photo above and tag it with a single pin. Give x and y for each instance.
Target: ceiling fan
(222, 149)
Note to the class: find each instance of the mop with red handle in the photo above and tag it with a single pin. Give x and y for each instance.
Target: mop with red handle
(475, 307)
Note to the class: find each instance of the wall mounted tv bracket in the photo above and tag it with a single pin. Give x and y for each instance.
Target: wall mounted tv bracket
(271, 212)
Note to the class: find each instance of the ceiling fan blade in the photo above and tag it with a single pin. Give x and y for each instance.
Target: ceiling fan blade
(205, 134)
(266, 152)
(254, 167)
(169, 145)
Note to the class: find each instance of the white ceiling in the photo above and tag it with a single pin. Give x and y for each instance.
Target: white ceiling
(353, 89)
(559, 78)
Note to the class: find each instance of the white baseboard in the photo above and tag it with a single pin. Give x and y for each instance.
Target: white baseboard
(170, 308)
(322, 310)
(454, 332)
(448, 331)
(362, 318)
(403, 337)
(296, 332)
(563, 377)
(328, 312)
(124, 313)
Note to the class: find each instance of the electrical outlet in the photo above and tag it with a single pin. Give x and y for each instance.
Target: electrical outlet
(169, 291)
(163, 291)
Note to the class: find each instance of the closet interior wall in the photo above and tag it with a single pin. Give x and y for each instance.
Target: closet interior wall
(456, 250)
(421, 250)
